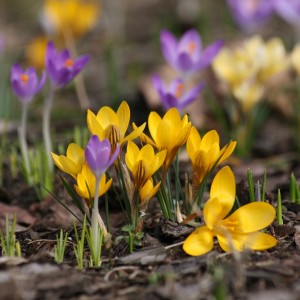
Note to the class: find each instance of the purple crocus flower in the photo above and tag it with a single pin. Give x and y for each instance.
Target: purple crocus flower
(250, 14)
(61, 67)
(289, 10)
(98, 155)
(186, 55)
(173, 96)
(25, 84)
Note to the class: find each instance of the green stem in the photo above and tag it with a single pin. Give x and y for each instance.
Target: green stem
(46, 127)
(96, 218)
(23, 143)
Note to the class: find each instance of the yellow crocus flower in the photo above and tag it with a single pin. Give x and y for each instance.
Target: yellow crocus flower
(168, 133)
(205, 153)
(73, 162)
(238, 231)
(248, 69)
(111, 125)
(147, 192)
(269, 58)
(233, 67)
(86, 184)
(35, 52)
(248, 93)
(77, 16)
(143, 163)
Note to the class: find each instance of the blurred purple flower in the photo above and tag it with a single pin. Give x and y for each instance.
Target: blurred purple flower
(61, 67)
(186, 55)
(98, 155)
(289, 10)
(250, 14)
(25, 84)
(173, 96)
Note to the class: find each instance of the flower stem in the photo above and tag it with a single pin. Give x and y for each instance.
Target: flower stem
(96, 218)
(46, 127)
(23, 143)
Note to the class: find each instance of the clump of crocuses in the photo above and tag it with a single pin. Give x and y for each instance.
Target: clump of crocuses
(187, 57)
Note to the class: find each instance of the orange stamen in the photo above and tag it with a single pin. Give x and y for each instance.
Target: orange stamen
(179, 90)
(69, 63)
(24, 78)
(192, 47)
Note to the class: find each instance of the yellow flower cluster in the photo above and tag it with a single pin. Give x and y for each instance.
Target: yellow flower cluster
(78, 16)
(249, 68)
(167, 134)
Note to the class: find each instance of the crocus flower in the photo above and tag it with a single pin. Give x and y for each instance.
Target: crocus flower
(173, 95)
(98, 155)
(25, 84)
(86, 184)
(113, 126)
(61, 67)
(35, 51)
(289, 10)
(168, 133)
(71, 163)
(238, 231)
(147, 192)
(205, 153)
(250, 14)
(187, 55)
(249, 68)
(76, 16)
(143, 163)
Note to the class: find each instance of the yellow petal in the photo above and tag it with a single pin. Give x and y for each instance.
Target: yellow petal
(123, 114)
(223, 188)
(106, 117)
(131, 155)
(134, 134)
(209, 139)
(56, 160)
(199, 242)
(212, 212)
(252, 217)
(153, 121)
(226, 151)
(256, 241)
(94, 126)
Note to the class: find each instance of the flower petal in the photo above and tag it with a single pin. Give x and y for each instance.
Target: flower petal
(223, 188)
(123, 114)
(199, 242)
(255, 241)
(252, 217)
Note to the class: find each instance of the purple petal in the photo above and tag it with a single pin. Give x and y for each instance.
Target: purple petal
(288, 10)
(50, 53)
(209, 54)
(190, 96)
(97, 155)
(158, 83)
(250, 14)
(115, 155)
(184, 62)
(190, 43)
(168, 101)
(41, 83)
(16, 71)
(176, 87)
(168, 46)
(79, 64)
